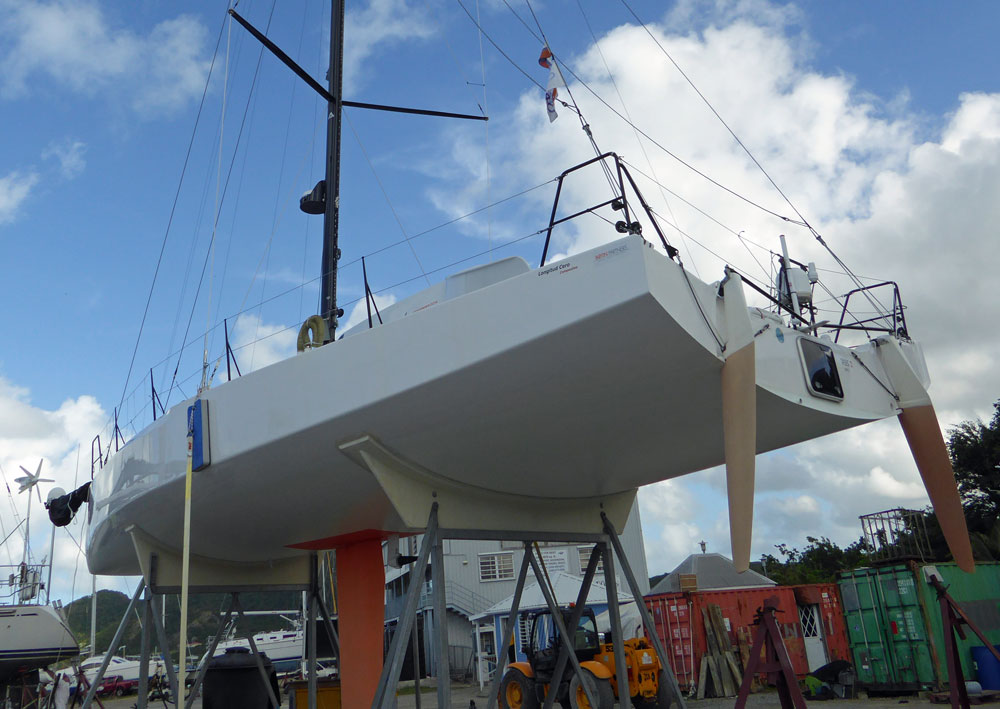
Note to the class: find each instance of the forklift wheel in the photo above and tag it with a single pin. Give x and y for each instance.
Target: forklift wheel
(600, 688)
(517, 691)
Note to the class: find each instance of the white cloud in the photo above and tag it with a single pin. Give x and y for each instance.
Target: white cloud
(75, 45)
(381, 23)
(257, 344)
(60, 438)
(69, 154)
(14, 189)
(668, 511)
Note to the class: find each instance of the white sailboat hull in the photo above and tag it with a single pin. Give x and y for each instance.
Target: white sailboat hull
(122, 667)
(31, 637)
(594, 375)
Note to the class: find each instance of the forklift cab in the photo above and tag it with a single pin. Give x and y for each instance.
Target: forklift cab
(544, 642)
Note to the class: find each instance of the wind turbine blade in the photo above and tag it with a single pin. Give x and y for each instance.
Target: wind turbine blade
(26, 471)
(923, 433)
(739, 419)
(39, 471)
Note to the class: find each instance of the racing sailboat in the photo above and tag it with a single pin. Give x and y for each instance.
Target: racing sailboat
(518, 397)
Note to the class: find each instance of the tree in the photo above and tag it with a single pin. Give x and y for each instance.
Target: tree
(975, 456)
(819, 562)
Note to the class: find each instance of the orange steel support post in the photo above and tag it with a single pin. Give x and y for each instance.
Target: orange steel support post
(952, 620)
(361, 606)
(775, 663)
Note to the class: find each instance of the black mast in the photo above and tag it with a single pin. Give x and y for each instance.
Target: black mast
(325, 197)
(331, 217)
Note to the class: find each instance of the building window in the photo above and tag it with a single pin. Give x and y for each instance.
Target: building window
(585, 553)
(496, 567)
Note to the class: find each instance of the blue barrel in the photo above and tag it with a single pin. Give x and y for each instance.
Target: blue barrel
(987, 667)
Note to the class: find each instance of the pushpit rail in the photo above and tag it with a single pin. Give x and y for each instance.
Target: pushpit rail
(618, 203)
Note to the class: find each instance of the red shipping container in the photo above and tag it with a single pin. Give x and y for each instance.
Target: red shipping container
(680, 624)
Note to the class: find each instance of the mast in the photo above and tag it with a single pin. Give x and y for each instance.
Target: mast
(325, 197)
(331, 217)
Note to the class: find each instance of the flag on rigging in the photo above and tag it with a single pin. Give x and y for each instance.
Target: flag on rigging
(547, 61)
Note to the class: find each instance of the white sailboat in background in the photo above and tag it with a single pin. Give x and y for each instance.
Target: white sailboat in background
(33, 634)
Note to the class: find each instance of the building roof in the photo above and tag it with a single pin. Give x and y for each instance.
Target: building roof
(712, 572)
(567, 589)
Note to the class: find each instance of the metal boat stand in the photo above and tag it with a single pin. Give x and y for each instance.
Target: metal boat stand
(161, 577)
(606, 543)
(444, 508)
(775, 663)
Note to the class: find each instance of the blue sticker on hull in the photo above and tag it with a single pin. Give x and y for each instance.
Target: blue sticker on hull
(779, 334)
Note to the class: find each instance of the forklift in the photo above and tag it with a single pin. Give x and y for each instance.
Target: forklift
(525, 685)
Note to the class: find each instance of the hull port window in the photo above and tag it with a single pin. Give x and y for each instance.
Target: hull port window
(820, 368)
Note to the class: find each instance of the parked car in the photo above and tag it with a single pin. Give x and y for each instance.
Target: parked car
(117, 686)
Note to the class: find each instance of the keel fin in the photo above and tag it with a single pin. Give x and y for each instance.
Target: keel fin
(739, 419)
(739, 424)
(923, 433)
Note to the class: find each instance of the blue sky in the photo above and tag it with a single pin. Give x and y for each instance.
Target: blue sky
(881, 120)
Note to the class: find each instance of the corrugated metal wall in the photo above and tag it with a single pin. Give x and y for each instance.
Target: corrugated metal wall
(680, 625)
(894, 621)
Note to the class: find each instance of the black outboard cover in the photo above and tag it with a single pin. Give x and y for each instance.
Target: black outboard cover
(62, 509)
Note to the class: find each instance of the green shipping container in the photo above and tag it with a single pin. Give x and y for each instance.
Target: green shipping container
(979, 596)
(893, 622)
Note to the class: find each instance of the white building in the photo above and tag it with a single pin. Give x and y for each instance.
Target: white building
(479, 574)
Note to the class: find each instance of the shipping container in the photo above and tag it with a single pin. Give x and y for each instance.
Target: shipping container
(894, 622)
(979, 596)
(887, 625)
(821, 638)
(821, 621)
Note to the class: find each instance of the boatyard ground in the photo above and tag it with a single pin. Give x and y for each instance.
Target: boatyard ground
(462, 694)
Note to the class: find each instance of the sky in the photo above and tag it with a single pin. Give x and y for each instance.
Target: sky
(880, 122)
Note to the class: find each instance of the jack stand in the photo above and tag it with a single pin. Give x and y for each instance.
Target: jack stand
(160, 577)
(952, 620)
(775, 663)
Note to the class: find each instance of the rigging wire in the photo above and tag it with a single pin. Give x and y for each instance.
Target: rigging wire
(385, 194)
(276, 215)
(739, 142)
(738, 234)
(496, 46)
(173, 208)
(218, 183)
(10, 501)
(225, 191)
(584, 125)
(626, 120)
(523, 22)
(244, 309)
(679, 159)
(638, 139)
(486, 128)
